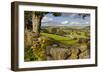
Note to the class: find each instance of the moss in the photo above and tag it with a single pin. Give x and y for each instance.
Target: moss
(29, 56)
(39, 48)
(73, 56)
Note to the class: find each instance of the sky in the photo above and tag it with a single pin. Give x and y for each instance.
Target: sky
(66, 19)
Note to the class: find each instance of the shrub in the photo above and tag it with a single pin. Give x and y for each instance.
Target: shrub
(29, 56)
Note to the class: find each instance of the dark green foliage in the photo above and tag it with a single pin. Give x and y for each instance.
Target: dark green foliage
(60, 32)
(28, 15)
(83, 15)
(57, 14)
(52, 30)
(29, 56)
(44, 30)
(28, 20)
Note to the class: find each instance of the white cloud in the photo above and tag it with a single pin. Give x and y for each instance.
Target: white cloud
(87, 22)
(64, 22)
(46, 19)
(74, 23)
(79, 23)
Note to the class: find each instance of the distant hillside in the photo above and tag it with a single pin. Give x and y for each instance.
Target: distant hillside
(68, 27)
(54, 24)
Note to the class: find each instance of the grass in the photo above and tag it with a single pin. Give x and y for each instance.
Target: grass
(61, 39)
(77, 36)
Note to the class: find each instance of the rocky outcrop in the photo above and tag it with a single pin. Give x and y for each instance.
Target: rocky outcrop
(74, 53)
(84, 55)
(58, 53)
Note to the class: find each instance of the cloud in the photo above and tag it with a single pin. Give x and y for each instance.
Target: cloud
(46, 19)
(79, 23)
(87, 23)
(66, 19)
(74, 23)
(73, 15)
(64, 22)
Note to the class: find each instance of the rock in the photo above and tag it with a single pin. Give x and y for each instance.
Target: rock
(68, 52)
(48, 50)
(74, 53)
(55, 45)
(84, 55)
(35, 35)
(83, 47)
(49, 58)
(74, 50)
(35, 39)
(58, 53)
(73, 56)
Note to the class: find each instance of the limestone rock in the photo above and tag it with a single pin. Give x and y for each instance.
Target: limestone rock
(83, 47)
(73, 56)
(74, 50)
(84, 55)
(49, 58)
(58, 53)
(74, 53)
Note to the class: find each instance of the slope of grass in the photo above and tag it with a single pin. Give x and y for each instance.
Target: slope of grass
(61, 39)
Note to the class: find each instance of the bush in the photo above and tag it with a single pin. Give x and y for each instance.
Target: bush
(29, 56)
(52, 30)
(60, 32)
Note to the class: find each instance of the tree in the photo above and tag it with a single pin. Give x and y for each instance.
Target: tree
(35, 18)
(28, 20)
(83, 15)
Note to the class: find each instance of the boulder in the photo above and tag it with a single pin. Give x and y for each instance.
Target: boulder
(73, 56)
(84, 55)
(83, 47)
(74, 50)
(58, 53)
(49, 58)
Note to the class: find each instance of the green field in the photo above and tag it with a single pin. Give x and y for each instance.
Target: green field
(61, 39)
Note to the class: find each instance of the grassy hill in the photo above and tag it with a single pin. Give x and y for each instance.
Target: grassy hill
(61, 39)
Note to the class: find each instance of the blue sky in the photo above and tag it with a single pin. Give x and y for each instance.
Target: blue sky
(66, 19)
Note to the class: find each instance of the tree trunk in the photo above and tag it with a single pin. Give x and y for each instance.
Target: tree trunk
(36, 23)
